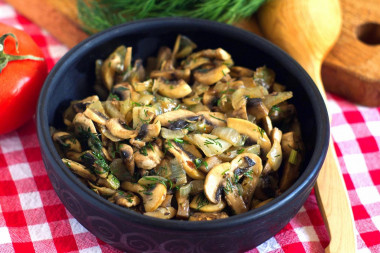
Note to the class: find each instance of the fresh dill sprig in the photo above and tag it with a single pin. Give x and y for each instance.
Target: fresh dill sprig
(97, 15)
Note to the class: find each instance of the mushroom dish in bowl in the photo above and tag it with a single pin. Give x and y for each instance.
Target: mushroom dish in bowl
(171, 135)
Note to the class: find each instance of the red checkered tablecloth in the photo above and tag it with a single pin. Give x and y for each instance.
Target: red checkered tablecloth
(32, 218)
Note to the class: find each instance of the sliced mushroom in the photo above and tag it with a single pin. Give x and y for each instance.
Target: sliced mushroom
(214, 182)
(212, 76)
(260, 204)
(149, 132)
(207, 216)
(240, 113)
(168, 201)
(238, 71)
(82, 123)
(211, 163)
(110, 65)
(126, 153)
(193, 63)
(106, 154)
(274, 156)
(256, 108)
(80, 106)
(120, 129)
(67, 141)
(164, 55)
(183, 47)
(148, 157)
(79, 169)
(104, 191)
(210, 98)
(191, 149)
(175, 74)
(218, 53)
(152, 195)
(192, 100)
(251, 165)
(96, 116)
(254, 132)
(125, 199)
(96, 162)
(118, 168)
(107, 134)
(214, 119)
(184, 159)
(122, 91)
(177, 119)
(234, 198)
(162, 213)
(75, 156)
(173, 89)
(136, 74)
(201, 203)
(239, 96)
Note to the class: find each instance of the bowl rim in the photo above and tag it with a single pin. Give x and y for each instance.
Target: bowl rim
(310, 173)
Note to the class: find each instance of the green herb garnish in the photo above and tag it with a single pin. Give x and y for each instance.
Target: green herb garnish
(114, 96)
(212, 116)
(168, 183)
(211, 141)
(240, 151)
(201, 201)
(143, 151)
(199, 162)
(97, 15)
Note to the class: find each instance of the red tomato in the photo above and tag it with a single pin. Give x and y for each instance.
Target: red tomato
(20, 80)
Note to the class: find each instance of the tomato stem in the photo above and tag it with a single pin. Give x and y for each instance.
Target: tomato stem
(5, 58)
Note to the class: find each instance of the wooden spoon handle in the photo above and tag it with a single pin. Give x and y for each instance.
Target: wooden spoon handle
(307, 30)
(333, 202)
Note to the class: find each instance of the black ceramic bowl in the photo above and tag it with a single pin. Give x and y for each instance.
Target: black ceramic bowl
(72, 78)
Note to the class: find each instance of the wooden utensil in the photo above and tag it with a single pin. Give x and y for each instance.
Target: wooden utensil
(351, 69)
(307, 29)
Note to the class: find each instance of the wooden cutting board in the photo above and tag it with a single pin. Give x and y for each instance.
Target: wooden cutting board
(350, 70)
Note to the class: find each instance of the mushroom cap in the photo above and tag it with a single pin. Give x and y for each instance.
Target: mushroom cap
(153, 201)
(201, 203)
(214, 182)
(162, 213)
(115, 126)
(79, 169)
(173, 119)
(68, 141)
(213, 118)
(152, 197)
(81, 122)
(235, 201)
(243, 163)
(173, 89)
(212, 76)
